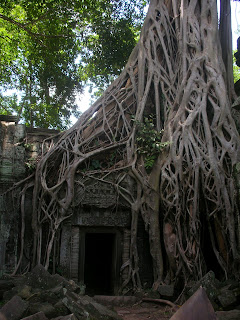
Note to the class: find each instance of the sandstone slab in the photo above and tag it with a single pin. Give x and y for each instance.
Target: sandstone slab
(14, 309)
(197, 307)
(228, 315)
(36, 316)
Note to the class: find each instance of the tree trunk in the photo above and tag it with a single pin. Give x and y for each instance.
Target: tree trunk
(225, 32)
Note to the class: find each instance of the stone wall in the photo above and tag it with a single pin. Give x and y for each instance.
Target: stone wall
(12, 169)
(19, 149)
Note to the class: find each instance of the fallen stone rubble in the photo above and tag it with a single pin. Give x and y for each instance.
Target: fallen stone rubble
(42, 296)
(223, 295)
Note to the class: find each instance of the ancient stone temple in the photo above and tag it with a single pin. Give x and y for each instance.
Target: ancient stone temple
(95, 242)
(93, 245)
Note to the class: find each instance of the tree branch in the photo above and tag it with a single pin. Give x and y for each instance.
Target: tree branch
(32, 34)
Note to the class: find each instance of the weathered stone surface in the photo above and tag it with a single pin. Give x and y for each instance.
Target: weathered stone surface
(36, 316)
(166, 290)
(45, 296)
(14, 309)
(5, 285)
(12, 168)
(25, 292)
(228, 315)
(102, 217)
(41, 278)
(7, 295)
(67, 317)
(208, 282)
(61, 309)
(198, 307)
(99, 194)
(70, 285)
(227, 298)
(85, 307)
(45, 307)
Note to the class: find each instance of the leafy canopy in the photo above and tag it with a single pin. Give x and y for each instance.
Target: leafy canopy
(40, 45)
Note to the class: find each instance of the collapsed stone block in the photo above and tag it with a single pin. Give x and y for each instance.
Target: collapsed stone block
(228, 315)
(14, 309)
(166, 290)
(227, 298)
(45, 307)
(36, 316)
(85, 307)
(198, 307)
(5, 285)
(209, 283)
(68, 317)
(39, 277)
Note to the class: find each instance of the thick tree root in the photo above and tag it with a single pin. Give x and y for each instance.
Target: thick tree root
(175, 74)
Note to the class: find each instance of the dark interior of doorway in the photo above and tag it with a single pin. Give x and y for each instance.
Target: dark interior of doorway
(98, 268)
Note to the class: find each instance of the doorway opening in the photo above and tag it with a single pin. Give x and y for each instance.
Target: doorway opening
(99, 263)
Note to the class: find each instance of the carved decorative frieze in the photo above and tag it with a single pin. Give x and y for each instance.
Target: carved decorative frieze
(98, 194)
(101, 217)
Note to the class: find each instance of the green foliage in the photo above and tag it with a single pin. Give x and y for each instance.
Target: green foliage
(48, 48)
(107, 50)
(9, 105)
(236, 69)
(105, 162)
(149, 142)
(31, 164)
(38, 53)
(28, 146)
(95, 164)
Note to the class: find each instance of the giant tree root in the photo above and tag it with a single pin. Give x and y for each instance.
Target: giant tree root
(163, 301)
(175, 77)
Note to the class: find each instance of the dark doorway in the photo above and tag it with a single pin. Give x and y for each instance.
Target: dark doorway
(99, 263)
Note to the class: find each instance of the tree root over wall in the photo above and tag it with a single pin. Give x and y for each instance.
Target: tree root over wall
(174, 75)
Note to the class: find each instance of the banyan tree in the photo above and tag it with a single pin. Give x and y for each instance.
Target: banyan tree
(163, 136)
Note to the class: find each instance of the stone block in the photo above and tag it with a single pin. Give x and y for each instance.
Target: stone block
(44, 307)
(85, 307)
(44, 296)
(41, 278)
(228, 315)
(7, 295)
(14, 308)
(61, 309)
(166, 290)
(209, 283)
(5, 285)
(36, 316)
(70, 285)
(68, 317)
(197, 307)
(25, 292)
(227, 299)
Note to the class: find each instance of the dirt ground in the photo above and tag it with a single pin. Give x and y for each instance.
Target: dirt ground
(145, 311)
